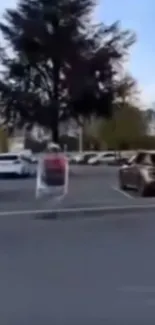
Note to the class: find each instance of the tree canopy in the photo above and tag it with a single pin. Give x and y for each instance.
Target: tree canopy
(124, 129)
(59, 65)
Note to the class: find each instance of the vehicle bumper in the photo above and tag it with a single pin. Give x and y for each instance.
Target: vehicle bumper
(12, 171)
(9, 171)
(151, 186)
(91, 163)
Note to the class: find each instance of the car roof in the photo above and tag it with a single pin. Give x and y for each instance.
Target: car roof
(107, 152)
(147, 151)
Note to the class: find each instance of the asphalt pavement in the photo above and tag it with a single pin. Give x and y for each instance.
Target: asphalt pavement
(65, 271)
(87, 271)
(89, 187)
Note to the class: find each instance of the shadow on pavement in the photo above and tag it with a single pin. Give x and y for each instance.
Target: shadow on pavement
(46, 216)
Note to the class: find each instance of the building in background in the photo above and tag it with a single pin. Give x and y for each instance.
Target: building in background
(38, 137)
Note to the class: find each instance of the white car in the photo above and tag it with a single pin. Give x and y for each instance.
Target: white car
(14, 163)
(83, 158)
(28, 156)
(54, 147)
(103, 158)
(26, 152)
(78, 158)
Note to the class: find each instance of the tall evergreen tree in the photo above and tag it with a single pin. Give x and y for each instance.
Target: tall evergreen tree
(60, 66)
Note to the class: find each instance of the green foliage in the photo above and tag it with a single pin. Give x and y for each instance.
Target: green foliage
(51, 39)
(4, 143)
(124, 129)
(143, 142)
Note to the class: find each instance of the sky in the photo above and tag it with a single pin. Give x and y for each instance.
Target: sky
(137, 16)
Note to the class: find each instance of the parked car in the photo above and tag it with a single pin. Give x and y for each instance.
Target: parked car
(85, 158)
(69, 157)
(138, 173)
(13, 163)
(53, 147)
(82, 158)
(102, 158)
(77, 158)
(31, 161)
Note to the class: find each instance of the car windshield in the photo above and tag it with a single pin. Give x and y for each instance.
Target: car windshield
(109, 155)
(106, 155)
(8, 157)
(152, 158)
(90, 155)
(132, 159)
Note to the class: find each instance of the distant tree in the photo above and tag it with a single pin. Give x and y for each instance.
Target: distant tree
(126, 89)
(127, 125)
(61, 65)
(150, 114)
(4, 140)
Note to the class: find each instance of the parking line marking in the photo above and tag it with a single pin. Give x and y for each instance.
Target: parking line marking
(122, 192)
(91, 210)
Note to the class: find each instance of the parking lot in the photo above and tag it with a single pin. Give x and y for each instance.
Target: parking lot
(76, 270)
(88, 187)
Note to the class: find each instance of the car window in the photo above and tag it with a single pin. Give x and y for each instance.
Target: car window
(132, 159)
(139, 159)
(152, 156)
(90, 155)
(108, 155)
(26, 158)
(8, 157)
(55, 149)
(150, 159)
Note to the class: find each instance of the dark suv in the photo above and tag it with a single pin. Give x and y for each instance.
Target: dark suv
(139, 173)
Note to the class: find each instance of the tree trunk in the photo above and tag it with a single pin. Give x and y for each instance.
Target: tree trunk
(55, 120)
(55, 133)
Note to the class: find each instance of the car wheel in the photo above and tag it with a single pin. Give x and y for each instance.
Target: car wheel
(142, 189)
(122, 185)
(97, 163)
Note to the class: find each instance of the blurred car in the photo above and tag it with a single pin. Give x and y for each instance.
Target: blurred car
(13, 163)
(69, 157)
(53, 147)
(31, 160)
(138, 173)
(85, 158)
(103, 158)
(82, 158)
(74, 159)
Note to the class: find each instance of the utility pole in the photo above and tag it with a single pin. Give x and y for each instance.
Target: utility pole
(80, 139)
